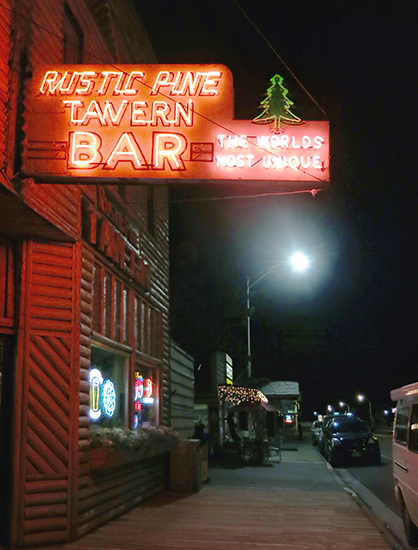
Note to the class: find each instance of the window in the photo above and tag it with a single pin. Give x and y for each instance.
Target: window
(401, 425)
(101, 13)
(73, 38)
(110, 306)
(108, 303)
(117, 310)
(413, 430)
(108, 388)
(125, 316)
(146, 393)
(97, 298)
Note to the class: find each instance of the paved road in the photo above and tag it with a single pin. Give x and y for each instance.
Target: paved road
(379, 479)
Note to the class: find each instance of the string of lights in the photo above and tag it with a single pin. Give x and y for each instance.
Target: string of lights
(236, 395)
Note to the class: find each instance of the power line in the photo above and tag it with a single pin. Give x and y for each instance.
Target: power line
(278, 56)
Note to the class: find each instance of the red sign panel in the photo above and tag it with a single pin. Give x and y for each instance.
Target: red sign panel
(165, 123)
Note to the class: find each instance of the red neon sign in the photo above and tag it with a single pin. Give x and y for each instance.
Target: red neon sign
(95, 122)
(147, 387)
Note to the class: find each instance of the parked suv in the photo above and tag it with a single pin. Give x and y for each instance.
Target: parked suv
(347, 438)
(405, 457)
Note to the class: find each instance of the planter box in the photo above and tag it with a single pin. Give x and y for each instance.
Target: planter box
(186, 466)
(102, 459)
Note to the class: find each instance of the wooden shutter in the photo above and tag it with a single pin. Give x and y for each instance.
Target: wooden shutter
(50, 382)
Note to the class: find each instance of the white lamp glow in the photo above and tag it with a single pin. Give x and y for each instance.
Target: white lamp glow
(299, 261)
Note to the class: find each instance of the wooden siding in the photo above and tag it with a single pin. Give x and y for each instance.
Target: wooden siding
(50, 375)
(4, 76)
(7, 284)
(117, 490)
(86, 307)
(60, 204)
(155, 250)
(182, 391)
(55, 497)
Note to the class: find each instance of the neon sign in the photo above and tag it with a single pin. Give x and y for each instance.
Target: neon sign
(168, 122)
(143, 389)
(109, 398)
(102, 396)
(96, 379)
(139, 386)
(147, 388)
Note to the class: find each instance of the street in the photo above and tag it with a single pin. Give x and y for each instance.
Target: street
(378, 479)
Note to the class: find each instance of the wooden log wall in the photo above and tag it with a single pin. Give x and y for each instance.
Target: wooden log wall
(182, 391)
(102, 497)
(118, 490)
(55, 498)
(86, 308)
(4, 78)
(48, 372)
(155, 250)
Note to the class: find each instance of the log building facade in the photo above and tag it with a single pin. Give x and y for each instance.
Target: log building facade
(84, 274)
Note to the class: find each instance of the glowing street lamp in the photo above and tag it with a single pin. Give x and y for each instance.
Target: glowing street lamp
(299, 262)
(342, 405)
(363, 398)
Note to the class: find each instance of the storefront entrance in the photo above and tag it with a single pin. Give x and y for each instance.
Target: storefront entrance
(5, 433)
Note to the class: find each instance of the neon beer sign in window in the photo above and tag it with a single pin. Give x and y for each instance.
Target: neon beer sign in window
(143, 399)
(143, 390)
(165, 123)
(102, 396)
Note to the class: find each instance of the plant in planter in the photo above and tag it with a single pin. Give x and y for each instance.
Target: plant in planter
(114, 446)
(162, 439)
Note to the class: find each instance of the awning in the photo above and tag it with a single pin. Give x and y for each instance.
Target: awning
(240, 398)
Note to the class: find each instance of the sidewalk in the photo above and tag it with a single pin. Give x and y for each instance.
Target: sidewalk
(298, 504)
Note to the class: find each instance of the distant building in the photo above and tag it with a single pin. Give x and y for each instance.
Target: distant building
(286, 398)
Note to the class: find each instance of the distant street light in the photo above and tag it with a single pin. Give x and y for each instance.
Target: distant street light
(329, 408)
(300, 263)
(342, 405)
(363, 398)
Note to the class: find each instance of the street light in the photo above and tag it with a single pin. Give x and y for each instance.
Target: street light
(299, 262)
(342, 405)
(362, 398)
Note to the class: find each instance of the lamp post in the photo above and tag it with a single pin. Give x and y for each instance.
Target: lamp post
(299, 262)
(342, 405)
(362, 398)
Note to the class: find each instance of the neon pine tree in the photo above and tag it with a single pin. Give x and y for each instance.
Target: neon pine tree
(276, 106)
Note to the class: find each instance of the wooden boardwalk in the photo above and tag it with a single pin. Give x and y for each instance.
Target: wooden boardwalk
(293, 505)
(240, 518)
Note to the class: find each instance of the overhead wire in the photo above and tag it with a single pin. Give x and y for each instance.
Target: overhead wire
(247, 17)
(313, 191)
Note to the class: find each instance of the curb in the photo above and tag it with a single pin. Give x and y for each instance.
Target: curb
(386, 521)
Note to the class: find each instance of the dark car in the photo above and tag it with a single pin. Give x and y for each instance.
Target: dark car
(327, 419)
(348, 438)
(316, 431)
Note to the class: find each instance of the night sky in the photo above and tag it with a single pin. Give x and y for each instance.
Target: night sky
(357, 304)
